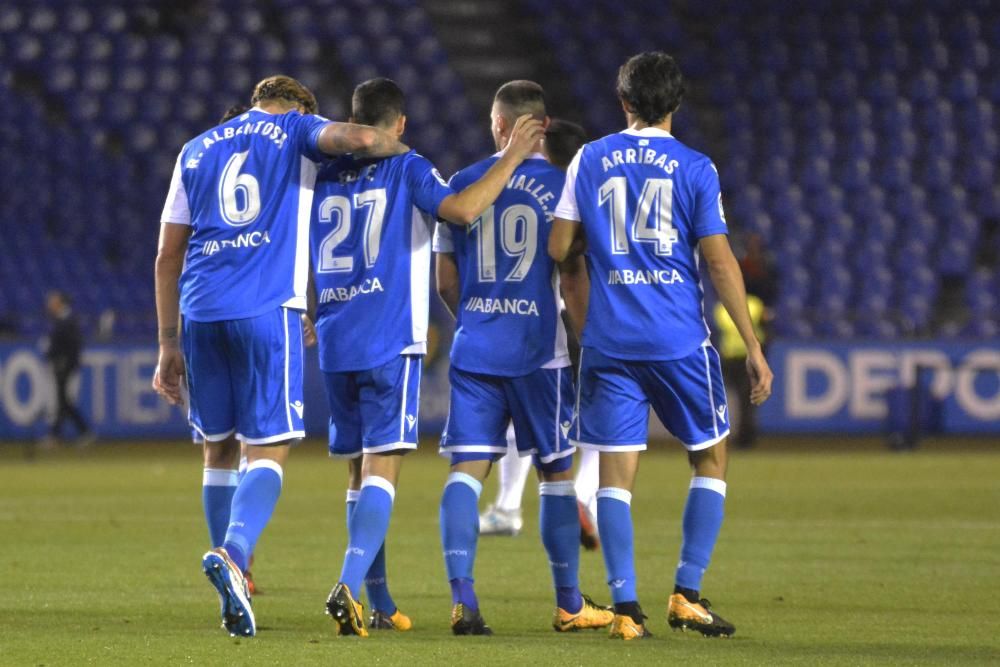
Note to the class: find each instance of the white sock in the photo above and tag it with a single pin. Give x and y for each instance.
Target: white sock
(514, 471)
(588, 477)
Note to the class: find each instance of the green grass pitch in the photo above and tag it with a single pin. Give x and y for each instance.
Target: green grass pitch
(850, 557)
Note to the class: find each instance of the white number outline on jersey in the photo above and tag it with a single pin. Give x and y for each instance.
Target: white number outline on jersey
(372, 200)
(230, 184)
(655, 202)
(523, 247)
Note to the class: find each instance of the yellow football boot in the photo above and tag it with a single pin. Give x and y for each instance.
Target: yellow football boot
(346, 611)
(397, 621)
(683, 614)
(624, 627)
(590, 617)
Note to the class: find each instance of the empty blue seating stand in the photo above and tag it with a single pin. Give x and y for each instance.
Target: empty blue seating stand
(861, 138)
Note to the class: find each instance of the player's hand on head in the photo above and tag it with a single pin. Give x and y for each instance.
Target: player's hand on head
(169, 374)
(760, 377)
(526, 134)
(308, 331)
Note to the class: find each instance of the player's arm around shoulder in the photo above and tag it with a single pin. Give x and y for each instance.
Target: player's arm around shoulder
(462, 208)
(360, 140)
(726, 276)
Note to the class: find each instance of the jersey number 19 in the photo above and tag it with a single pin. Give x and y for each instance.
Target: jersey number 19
(518, 238)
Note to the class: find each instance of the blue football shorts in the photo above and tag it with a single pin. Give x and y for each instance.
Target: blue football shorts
(245, 377)
(540, 404)
(375, 411)
(615, 395)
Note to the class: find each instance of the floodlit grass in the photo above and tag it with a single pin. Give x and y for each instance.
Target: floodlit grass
(850, 557)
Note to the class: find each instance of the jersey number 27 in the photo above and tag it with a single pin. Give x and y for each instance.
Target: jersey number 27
(337, 209)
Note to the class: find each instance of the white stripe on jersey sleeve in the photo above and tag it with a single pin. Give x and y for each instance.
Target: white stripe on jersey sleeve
(420, 280)
(300, 280)
(560, 357)
(567, 208)
(176, 209)
(443, 241)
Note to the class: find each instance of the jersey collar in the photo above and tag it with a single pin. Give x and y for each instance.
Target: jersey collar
(647, 132)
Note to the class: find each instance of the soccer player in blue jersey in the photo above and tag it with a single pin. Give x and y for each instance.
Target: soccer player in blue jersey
(233, 258)
(371, 248)
(509, 361)
(562, 140)
(646, 204)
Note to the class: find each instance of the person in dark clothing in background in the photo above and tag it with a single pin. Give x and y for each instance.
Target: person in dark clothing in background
(762, 286)
(758, 270)
(64, 349)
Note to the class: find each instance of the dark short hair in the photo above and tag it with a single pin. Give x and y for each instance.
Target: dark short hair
(651, 85)
(562, 140)
(234, 111)
(377, 101)
(284, 89)
(520, 97)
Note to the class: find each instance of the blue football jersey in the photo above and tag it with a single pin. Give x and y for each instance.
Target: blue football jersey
(371, 252)
(246, 189)
(508, 319)
(644, 200)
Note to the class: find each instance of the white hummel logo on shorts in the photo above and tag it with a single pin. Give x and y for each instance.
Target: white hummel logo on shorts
(410, 421)
(297, 406)
(565, 429)
(722, 412)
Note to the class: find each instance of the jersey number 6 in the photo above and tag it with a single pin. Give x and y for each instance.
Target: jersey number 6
(239, 194)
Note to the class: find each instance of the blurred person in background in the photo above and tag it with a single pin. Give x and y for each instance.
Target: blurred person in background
(63, 350)
(758, 270)
(762, 287)
(563, 139)
(733, 351)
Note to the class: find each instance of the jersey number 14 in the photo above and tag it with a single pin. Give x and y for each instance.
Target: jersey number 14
(653, 217)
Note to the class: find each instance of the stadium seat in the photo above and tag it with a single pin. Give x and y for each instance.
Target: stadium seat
(850, 136)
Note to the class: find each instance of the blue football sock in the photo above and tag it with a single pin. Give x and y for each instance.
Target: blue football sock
(464, 591)
(614, 524)
(376, 581)
(559, 521)
(366, 529)
(460, 533)
(702, 521)
(217, 488)
(377, 585)
(253, 504)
